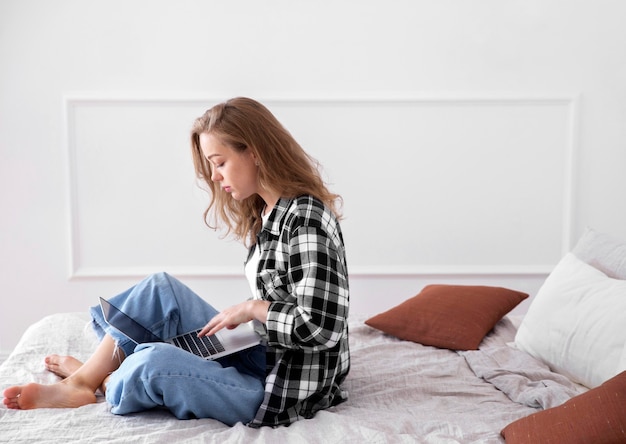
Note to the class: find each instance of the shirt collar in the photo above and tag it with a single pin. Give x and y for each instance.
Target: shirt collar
(277, 215)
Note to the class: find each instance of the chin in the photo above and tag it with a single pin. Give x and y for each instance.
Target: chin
(240, 197)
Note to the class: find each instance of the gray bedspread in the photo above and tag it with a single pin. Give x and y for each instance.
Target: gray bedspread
(399, 392)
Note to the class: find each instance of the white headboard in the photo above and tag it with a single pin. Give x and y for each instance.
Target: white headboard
(430, 184)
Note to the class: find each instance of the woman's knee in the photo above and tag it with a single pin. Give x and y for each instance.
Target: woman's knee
(160, 280)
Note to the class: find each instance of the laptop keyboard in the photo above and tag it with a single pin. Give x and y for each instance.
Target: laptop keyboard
(203, 347)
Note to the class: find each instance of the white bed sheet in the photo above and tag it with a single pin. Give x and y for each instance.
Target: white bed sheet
(399, 392)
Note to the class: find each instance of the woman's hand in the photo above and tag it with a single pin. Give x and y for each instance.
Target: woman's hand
(235, 315)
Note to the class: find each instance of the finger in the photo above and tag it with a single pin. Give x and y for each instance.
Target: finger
(205, 329)
(215, 329)
(212, 327)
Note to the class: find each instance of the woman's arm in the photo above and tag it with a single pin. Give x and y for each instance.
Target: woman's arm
(313, 313)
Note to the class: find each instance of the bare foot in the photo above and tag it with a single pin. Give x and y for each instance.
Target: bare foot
(59, 395)
(62, 366)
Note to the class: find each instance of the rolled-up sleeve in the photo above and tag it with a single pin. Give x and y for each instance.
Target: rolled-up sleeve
(313, 314)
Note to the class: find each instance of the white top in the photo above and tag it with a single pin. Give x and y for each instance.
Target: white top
(253, 264)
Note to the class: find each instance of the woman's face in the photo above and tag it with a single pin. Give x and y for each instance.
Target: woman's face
(236, 173)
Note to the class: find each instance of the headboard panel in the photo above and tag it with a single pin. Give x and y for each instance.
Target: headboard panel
(430, 185)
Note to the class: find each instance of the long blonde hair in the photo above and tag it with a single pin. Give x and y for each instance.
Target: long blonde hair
(242, 123)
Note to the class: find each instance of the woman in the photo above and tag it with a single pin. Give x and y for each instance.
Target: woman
(269, 194)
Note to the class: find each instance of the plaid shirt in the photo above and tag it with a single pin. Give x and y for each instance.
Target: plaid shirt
(303, 273)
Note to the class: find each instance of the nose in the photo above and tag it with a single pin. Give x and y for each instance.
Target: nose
(215, 176)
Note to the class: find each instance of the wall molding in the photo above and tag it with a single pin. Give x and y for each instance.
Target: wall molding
(73, 101)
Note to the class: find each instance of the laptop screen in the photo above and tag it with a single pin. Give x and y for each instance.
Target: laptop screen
(126, 325)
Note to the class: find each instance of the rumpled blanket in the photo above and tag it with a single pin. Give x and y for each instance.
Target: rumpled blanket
(518, 375)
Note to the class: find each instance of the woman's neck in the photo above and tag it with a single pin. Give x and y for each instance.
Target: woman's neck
(270, 199)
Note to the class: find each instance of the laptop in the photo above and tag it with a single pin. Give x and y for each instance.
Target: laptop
(223, 343)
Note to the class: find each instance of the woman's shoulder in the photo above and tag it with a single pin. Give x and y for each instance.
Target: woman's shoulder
(309, 203)
(309, 213)
(308, 207)
(308, 210)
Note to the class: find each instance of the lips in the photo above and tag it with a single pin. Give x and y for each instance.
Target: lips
(227, 189)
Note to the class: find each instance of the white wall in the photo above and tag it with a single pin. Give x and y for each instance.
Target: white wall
(91, 92)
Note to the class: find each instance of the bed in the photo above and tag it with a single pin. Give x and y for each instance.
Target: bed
(489, 381)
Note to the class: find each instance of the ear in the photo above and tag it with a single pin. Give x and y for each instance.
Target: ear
(255, 158)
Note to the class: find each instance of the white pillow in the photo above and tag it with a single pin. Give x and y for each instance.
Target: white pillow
(602, 251)
(577, 323)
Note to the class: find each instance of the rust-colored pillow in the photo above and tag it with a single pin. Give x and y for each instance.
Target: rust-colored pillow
(597, 416)
(456, 317)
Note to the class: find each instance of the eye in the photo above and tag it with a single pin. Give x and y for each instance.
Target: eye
(215, 165)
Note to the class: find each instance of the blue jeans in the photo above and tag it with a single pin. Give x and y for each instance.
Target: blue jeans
(229, 389)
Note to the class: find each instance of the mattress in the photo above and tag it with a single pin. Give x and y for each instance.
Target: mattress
(399, 391)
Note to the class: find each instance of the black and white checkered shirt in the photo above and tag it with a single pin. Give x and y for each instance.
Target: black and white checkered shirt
(303, 273)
